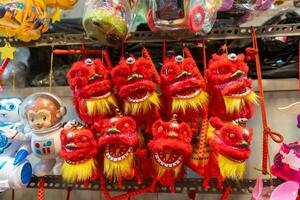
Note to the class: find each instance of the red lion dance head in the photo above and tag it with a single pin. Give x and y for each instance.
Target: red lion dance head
(169, 148)
(230, 89)
(230, 148)
(93, 90)
(119, 142)
(133, 80)
(79, 150)
(183, 89)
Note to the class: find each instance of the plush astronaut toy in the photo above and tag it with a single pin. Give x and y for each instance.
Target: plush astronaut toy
(43, 112)
(15, 170)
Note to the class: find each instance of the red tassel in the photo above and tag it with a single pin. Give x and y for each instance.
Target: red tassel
(69, 193)
(226, 193)
(41, 189)
(192, 194)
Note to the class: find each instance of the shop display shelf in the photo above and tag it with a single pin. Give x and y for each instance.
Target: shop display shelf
(186, 185)
(62, 39)
(270, 85)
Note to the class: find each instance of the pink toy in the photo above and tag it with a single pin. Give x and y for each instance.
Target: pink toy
(287, 162)
(285, 191)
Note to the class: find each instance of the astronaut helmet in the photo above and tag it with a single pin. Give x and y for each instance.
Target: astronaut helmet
(9, 110)
(42, 111)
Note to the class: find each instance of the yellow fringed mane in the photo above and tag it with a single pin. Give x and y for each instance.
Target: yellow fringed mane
(160, 170)
(143, 107)
(231, 169)
(233, 104)
(101, 106)
(194, 103)
(79, 172)
(123, 168)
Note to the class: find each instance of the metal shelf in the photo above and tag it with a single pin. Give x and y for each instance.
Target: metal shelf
(270, 85)
(243, 187)
(56, 39)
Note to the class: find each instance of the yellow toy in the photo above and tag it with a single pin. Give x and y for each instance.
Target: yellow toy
(63, 4)
(25, 20)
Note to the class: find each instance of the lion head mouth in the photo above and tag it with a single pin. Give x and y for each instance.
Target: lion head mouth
(117, 152)
(139, 95)
(168, 159)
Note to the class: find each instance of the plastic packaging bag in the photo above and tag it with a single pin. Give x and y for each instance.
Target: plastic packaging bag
(25, 20)
(107, 21)
(197, 16)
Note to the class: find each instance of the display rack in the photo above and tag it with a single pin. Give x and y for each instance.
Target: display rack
(58, 39)
(270, 85)
(191, 184)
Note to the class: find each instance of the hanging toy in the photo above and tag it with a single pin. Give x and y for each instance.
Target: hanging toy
(79, 151)
(58, 5)
(229, 88)
(63, 4)
(230, 148)
(92, 88)
(197, 16)
(25, 20)
(183, 89)
(119, 142)
(15, 170)
(170, 148)
(287, 190)
(107, 21)
(133, 79)
(43, 113)
(287, 162)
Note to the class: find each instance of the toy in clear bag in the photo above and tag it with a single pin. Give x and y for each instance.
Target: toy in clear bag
(286, 163)
(15, 170)
(119, 143)
(287, 190)
(170, 148)
(43, 113)
(197, 16)
(135, 81)
(79, 151)
(107, 21)
(25, 20)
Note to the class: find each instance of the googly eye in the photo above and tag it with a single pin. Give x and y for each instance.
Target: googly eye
(232, 57)
(160, 129)
(231, 135)
(130, 60)
(88, 61)
(70, 136)
(166, 71)
(179, 59)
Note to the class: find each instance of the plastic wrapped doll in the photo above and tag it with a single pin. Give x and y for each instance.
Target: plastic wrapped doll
(197, 16)
(43, 113)
(230, 148)
(119, 143)
(229, 88)
(15, 170)
(183, 89)
(135, 80)
(79, 151)
(170, 148)
(23, 19)
(107, 21)
(93, 98)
